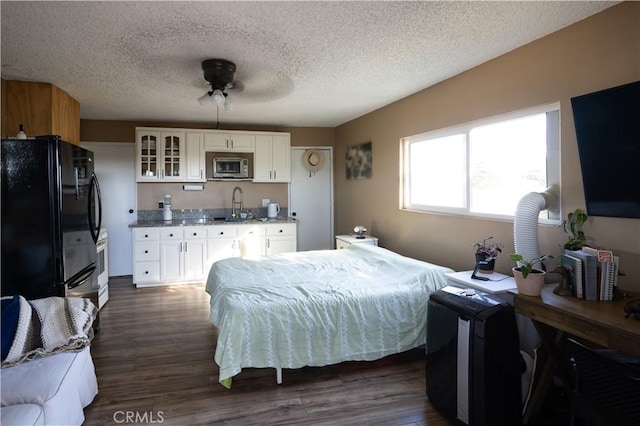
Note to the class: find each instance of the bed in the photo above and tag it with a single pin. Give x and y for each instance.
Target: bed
(318, 308)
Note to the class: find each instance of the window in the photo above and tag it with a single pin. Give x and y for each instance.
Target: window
(482, 168)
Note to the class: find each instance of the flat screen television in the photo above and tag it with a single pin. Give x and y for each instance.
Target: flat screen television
(607, 127)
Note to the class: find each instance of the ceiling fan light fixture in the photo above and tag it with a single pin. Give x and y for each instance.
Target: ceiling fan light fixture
(218, 97)
(205, 99)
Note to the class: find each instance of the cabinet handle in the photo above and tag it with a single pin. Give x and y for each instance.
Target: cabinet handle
(200, 173)
(195, 233)
(220, 233)
(268, 242)
(146, 272)
(146, 235)
(146, 251)
(227, 143)
(185, 247)
(274, 175)
(280, 231)
(171, 235)
(180, 247)
(270, 175)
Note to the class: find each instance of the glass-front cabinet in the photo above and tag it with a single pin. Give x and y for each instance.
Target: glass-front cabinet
(161, 155)
(148, 150)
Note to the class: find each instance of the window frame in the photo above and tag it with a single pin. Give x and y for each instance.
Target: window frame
(553, 157)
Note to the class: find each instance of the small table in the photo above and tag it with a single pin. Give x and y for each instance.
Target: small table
(498, 283)
(343, 241)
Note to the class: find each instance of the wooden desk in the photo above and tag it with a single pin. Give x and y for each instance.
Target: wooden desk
(600, 322)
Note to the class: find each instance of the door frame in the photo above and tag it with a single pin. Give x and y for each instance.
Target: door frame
(329, 163)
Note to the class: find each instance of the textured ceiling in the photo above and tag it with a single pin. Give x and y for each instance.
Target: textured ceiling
(301, 63)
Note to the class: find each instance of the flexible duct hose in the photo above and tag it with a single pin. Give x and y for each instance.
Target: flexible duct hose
(525, 224)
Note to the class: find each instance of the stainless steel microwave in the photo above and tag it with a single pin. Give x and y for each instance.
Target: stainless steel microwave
(227, 167)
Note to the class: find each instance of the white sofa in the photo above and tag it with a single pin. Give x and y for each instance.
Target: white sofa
(52, 390)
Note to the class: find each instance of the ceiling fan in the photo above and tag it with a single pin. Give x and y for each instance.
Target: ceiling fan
(219, 74)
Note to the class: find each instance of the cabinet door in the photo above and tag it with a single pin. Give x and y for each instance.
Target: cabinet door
(262, 171)
(148, 160)
(195, 157)
(170, 260)
(272, 160)
(173, 153)
(216, 142)
(195, 259)
(281, 244)
(234, 142)
(281, 158)
(221, 248)
(252, 240)
(242, 142)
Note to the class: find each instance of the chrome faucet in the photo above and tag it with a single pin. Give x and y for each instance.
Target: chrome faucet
(234, 202)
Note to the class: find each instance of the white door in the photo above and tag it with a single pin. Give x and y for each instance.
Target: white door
(311, 200)
(115, 167)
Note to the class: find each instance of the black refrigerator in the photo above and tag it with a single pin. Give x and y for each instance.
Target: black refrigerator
(51, 217)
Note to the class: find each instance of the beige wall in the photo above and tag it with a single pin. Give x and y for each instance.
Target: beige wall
(215, 194)
(600, 52)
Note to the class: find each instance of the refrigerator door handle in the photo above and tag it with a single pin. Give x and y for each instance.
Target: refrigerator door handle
(77, 182)
(95, 230)
(81, 277)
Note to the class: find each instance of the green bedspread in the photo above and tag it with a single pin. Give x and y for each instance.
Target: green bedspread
(318, 308)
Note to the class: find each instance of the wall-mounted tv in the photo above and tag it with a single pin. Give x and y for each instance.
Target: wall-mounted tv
(608, 133)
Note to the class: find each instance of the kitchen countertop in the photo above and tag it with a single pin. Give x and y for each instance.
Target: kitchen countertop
(206, 222)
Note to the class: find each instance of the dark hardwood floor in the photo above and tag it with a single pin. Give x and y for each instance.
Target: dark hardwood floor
(154, 362)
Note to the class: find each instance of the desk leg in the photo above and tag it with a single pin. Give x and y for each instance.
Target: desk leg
(541, 378)
(552, 339)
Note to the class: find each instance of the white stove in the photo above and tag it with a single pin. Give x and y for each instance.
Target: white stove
(102, 247)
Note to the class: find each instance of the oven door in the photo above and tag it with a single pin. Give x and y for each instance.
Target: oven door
(102, 262)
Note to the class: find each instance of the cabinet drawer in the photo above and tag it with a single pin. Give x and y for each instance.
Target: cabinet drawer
(171, 233)
(146, 234)
(251, 230)
(281, 229)
(222, 231)
(146, 251)
(146, 272)
(340, 244)
(195, 233)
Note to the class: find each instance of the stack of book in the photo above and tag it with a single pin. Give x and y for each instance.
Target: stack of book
(594, 273)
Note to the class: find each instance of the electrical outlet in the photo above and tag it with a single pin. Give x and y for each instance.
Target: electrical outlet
(265, 202)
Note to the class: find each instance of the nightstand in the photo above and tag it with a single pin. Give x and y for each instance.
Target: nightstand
(343, 241)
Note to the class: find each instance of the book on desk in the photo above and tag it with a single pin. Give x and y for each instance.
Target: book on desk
(594, 273)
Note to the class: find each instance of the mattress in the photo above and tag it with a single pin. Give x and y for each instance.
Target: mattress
(318, 308)
(62, 385)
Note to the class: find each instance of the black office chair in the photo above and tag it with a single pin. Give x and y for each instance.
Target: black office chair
(607, 391)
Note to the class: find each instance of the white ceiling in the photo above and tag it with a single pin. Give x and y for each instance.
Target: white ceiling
(301, 63)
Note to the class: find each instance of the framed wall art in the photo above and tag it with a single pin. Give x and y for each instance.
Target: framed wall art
(359, 161)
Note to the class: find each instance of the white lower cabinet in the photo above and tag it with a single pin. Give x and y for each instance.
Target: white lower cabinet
(222, 243)
(173, 255)
(183, 253)
(146, 255)
(281, 238)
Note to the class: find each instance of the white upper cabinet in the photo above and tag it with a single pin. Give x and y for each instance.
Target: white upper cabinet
(272, 160)
(178, 155)
(232, 142)
(160, 155)
(195, 157)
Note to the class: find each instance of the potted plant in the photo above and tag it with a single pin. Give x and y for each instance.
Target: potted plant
(529, 280)
(487, 253)
(572, 225)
